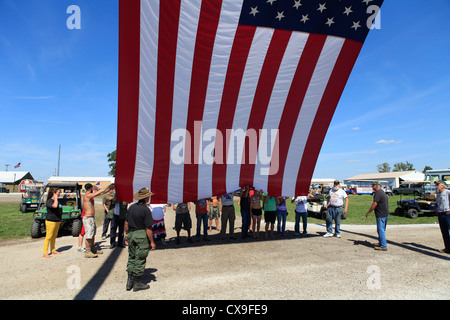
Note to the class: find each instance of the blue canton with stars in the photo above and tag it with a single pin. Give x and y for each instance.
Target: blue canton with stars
(342, 18)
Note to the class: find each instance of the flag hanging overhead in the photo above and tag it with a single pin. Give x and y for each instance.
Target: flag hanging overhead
(216, 95)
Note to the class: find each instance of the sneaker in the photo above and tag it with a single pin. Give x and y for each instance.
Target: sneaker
(338, 235)
(327, 235)
(380, 249)
(82, 250)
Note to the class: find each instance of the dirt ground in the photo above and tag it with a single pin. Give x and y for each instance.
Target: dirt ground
(288, 268)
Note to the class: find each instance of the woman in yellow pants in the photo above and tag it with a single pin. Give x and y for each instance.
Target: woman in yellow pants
(54, 213)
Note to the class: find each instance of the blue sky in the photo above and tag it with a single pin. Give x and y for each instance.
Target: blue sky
(59, 86)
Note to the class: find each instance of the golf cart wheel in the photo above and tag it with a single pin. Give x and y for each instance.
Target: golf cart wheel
(23, 208)
(398, 212)
(413, 213)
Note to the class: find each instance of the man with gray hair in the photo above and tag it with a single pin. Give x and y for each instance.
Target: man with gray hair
(443, 211)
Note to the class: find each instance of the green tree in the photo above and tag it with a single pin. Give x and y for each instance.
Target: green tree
(427, 168)
(400, 166)
(384, 167)
(112, 163)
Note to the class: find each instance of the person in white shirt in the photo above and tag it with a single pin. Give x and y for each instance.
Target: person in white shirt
(336, 198)
(301, 212)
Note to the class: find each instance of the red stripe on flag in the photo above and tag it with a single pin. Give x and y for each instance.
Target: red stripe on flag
(206, 32)
(330, 99)
(294, 101)
(169, 14)
(128, 97)
(269, 72)
(236, 66)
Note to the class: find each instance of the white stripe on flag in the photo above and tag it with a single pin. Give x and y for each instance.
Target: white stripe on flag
(228, 23)
(187, 32)
(280, 92)
(316, 88)
(147, 94)
(252, 71)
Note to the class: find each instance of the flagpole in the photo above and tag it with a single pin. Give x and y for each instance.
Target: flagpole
(59, 158)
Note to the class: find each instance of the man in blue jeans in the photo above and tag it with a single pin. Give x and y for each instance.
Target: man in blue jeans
(201, 213)
(301, 212)
(336, 199)
(443, 211)
(244, 203)
(381, 207)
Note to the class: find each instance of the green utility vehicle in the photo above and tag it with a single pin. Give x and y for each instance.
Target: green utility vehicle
(30, 199)
(70, 199)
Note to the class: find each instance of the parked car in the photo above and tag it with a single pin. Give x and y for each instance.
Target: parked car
(414, 188)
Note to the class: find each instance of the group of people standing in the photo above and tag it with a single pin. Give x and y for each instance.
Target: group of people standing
(253, 204)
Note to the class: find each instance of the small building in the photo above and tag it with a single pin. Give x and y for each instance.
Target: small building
(101, 182)
(393, 179)
(13, 180)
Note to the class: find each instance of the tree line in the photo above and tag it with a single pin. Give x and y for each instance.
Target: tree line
(399, 166)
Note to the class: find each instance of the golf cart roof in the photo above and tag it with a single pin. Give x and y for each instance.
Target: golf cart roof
(64, 185)
(421, 181)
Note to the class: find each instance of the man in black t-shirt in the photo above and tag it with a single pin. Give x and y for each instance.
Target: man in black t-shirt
(381, 207)
(138, 227)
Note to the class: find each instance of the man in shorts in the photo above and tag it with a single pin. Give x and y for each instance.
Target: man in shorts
(89, 217)
(214, 211)
(183, 219)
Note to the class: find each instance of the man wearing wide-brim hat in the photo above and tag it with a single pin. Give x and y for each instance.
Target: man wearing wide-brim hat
(138, 227)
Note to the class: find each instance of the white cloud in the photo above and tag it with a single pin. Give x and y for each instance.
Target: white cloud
(355, 128)
(382, 141)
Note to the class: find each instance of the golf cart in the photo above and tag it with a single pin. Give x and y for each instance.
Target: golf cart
(70, 199)
(317, 205)
(30, 199)
(424, 201)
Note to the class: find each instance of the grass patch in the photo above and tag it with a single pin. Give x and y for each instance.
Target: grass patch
(13, 223)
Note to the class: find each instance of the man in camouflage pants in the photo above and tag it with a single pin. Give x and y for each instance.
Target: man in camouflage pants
(138, 227)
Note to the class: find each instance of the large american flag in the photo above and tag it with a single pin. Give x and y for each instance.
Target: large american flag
(195, 76)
